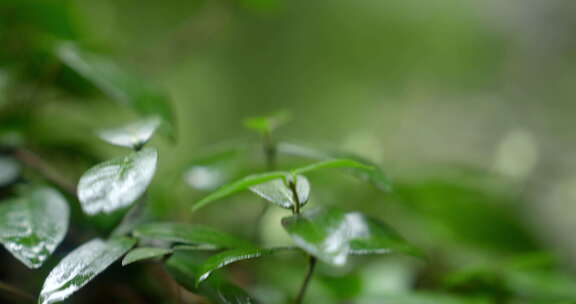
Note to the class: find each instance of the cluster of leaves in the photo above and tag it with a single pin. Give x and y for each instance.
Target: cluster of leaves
(35, 221)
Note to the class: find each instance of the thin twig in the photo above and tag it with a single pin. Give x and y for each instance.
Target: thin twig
(311, 267)
(17, 292)
(35, 162)
(270, 154)
(311, 259)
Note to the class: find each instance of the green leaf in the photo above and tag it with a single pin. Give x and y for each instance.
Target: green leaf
(267, 124)
(228, 257)
(144, 253)
(117, 183)
(237, 186)
(332, 163)
(117, 83)
(277, 192)
(81, 266)
(374, 175)
(134, 135)
(331, 235)
(184, 268)
(216, 167)
(9, 170)
(34, 224)
(189, 234)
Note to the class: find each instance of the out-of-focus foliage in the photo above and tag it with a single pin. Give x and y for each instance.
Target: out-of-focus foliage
(459, 112)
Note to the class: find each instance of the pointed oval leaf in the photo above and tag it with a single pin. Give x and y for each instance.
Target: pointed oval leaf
(331, 163)
(117, 83)
(216, 166)
(133, 135)
(374, 174)
(370, 172)
(81, 266)
(228, 257)
(117, 183)
(331, 235)
(184, 268)
(189, 234)
(34, 224)
(144, 253)
(9, 170)
(276, 191)
(237, 186)
(266, 124)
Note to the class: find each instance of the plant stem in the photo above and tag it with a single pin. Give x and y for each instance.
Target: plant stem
(311, 259)
(17, 292)
(296, 199)
(269, 148)
(35, 162)
(304, 287)
(269, 151)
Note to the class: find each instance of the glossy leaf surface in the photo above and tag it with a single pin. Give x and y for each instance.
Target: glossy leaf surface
(189, 234)
(133, 135)
(237, 186)
(117, 83)
(144, 253)
(331, 235)
(257, 179)
(184, 268)
(332, 163)
(81, 266)
(9, 170)
(374, 175)
(34, 224)
(277, 192)
(369, 171)
(228, 257)
(216, 166)
(117, 183)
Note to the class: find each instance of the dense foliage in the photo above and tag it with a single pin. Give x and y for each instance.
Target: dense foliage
(104, 199)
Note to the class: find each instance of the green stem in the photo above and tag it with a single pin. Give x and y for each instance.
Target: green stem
(296, 199)
(269, 148)
(269, 151)
(307, 279)
(311, 259)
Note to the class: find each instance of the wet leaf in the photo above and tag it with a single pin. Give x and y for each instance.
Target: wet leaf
(133, 135)
(216, 167)
(33, 224)
(120, 85)
(9, 170)
(189, 234)
(375, 175)
(277, 192)
(257, 179)
(228, 257)
(184, 268)
(237, 186)
(332, 163)
(81, 266)
(117, 183)
(331, 235)
(144, 253)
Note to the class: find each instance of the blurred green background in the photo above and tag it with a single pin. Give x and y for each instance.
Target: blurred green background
(467, 105)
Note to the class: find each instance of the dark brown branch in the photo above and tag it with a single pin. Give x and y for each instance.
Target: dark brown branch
(17, 292)
(35, 162)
